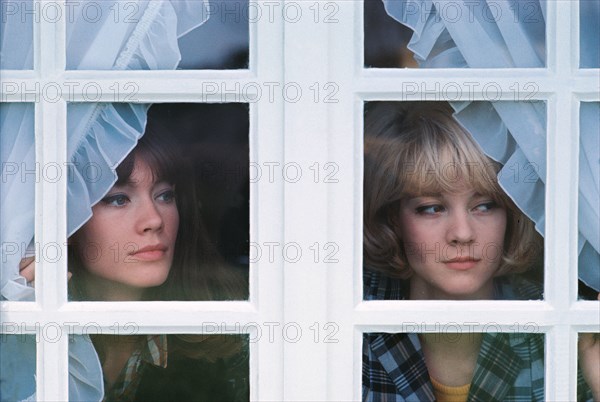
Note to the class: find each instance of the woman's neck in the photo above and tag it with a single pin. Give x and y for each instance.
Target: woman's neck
(451, 357)
(421, 290)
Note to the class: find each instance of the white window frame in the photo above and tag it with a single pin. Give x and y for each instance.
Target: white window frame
(326, 49)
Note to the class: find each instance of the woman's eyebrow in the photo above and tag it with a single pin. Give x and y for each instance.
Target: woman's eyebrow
(412, 197)
(127, 183)
(163, 183)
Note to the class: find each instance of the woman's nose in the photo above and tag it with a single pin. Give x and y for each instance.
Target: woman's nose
(461, 228)
(149, 217)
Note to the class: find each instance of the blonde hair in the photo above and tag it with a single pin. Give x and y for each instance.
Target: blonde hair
(416, 148)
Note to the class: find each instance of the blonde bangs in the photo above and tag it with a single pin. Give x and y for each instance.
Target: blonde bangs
(435, 162)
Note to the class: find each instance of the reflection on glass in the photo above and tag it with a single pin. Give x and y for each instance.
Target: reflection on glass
(477, 34)
(172, 367)
(589, 33)
(146, 238)
(16, 33)
(17, 365)
(453, 365)
(589, 210)
(385, 39)
(223, 41)
(147, 35)
(17, 187)
(437, 224)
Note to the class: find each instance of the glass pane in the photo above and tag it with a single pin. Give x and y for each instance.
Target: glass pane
(589, 210)
(160, 367)
(589, 33)
(16, 26)
(386, 40)
(223, 41)
(431, 366)
(17, 206)
(18, 363)
(145, 35)
(588, 368)
(175, 225)
(477, 34)
(439, 217)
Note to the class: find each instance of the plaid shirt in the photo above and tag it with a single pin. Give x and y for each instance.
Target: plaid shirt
(154, 352)
(510, 366)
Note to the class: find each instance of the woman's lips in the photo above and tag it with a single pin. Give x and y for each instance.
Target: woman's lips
(461, 264)
(150, 253)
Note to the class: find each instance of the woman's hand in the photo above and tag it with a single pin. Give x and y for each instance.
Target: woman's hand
(589, 360)
(27, 270)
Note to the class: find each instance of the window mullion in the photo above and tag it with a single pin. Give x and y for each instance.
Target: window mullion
(561, 200)
(561, 237)
(51, 204)
(52, 364)
(266, 202)
(561, 366)
(49, 41)
(50, 210)
(344, 201)
(306, 129)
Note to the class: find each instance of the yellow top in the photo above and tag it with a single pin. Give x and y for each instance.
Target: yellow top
(444, 393)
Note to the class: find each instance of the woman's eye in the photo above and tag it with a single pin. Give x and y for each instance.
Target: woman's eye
(116, 200)
(430, 209)
(166, 196)
(486, 206)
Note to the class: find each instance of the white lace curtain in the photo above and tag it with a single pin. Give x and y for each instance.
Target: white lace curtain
(511, 34)
(144, 36)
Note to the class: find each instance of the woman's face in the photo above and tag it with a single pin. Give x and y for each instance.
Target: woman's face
(128, 244)
(453, 242)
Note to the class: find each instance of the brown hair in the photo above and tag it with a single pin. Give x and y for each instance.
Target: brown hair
(197, 272)
(414, 148)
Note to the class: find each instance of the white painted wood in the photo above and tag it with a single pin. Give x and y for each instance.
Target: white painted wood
(50, 214)
(52, 365)
(561, 203)
(344, 205)
(267, 206)
(288, 54)
(306, 131)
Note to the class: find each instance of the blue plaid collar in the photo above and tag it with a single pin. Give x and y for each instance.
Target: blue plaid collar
(497, 369)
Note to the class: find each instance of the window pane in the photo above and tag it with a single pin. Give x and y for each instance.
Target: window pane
(589, 210)
(160, 367)
(386, 40)
(589, 33)
(428, 366)
(16, 40)
(125, 35)
(175, 225)
(479, 34)
(588, 368)
(17, 206)
(439, 217)
(18, 363)
(223, 41)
